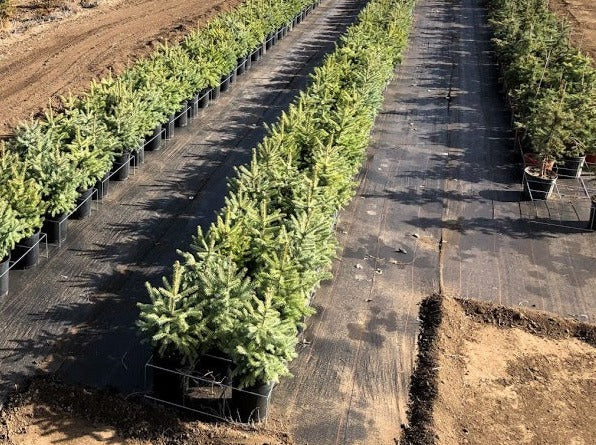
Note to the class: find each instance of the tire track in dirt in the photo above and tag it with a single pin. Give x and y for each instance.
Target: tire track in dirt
(69, 54)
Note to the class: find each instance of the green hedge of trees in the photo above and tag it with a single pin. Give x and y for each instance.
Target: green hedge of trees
(66, 153)
(243, 288)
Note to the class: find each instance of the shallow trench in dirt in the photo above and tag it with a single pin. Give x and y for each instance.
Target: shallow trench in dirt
(488, 374)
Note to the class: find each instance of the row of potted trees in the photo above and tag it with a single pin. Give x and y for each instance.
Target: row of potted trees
(551, 87)
(243, 289)
(60, 158)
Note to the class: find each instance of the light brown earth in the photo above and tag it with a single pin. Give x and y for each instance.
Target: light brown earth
(50, 413)
(511, 377)
(582, 18)
(48, 60)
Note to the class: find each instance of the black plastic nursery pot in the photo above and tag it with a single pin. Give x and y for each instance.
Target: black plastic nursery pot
(26, 252)
(168, 384)
(55, 228)
(153, 141)
(83, 204)
(225, 83)
(269, 41)
(102, 186)
(256, 55)
(121, 167)
(571, 167)
(537, 187)
(251, 404)
(169, 127)
(215, 92)
(204, 95)
(193, 107)
(182, 115)
(233, 76)
(4, 265)
(247, 63)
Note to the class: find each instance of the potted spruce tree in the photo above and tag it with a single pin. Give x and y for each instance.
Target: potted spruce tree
(164, 77)
(580, 92)
(38, 145)
(24, 197)
(8, 238)
(182, 71)
(261, 347)
(173, 324)
(546, 129)
(581, 134)
(222, 290)
(118, 107)
(89, 145)
(147, 78)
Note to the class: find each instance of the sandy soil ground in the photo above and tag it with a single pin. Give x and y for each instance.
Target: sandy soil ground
(582, 17)
(48, 60)
(495, 375)
(49, 413)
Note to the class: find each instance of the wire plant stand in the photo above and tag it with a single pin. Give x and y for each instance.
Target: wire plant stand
(205, 389)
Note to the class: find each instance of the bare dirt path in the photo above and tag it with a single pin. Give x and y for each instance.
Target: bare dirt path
(67, 55)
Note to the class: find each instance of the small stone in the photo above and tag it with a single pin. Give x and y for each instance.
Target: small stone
(415, 235)
(358, 266)
(379, 271)
(402, 250)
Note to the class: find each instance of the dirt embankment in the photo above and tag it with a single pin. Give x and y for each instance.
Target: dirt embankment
(488, 374)
(49, 413)
(582, 18)
(48, 60)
